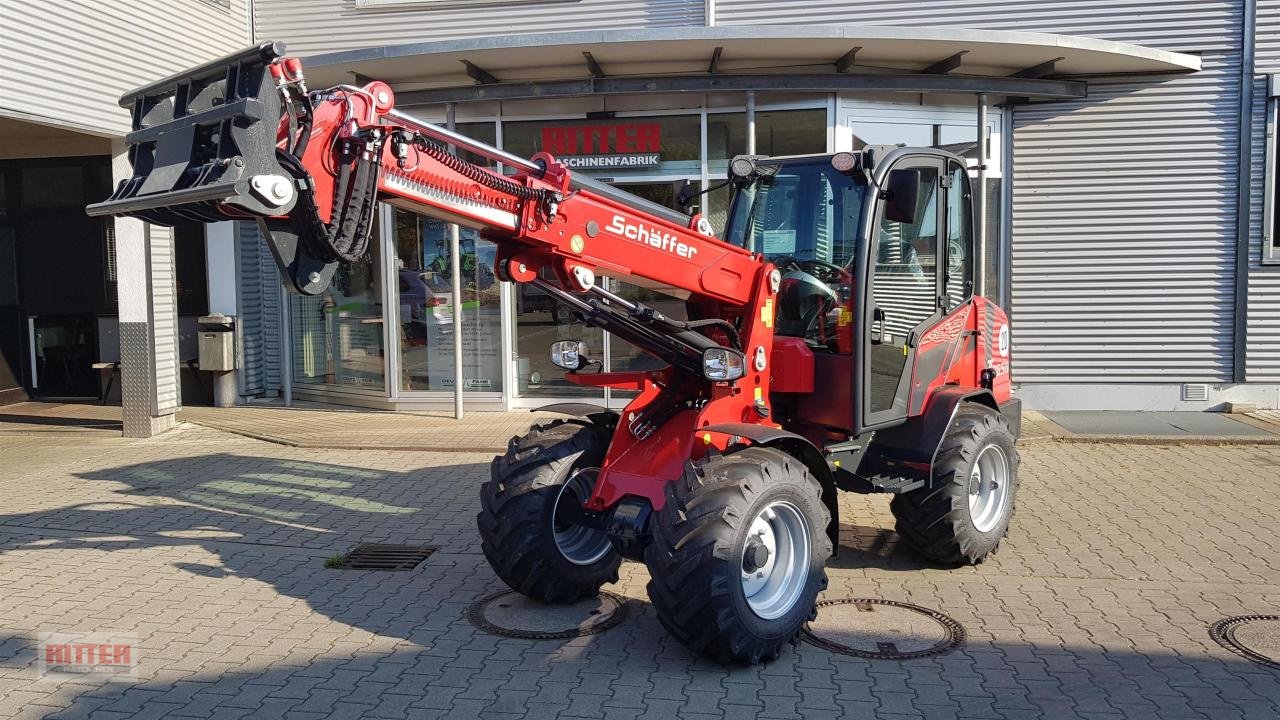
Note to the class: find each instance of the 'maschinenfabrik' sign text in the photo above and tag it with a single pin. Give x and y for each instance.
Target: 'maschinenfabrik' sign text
(625, 145)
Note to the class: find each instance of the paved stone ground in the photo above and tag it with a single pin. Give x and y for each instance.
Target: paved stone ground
(310, 425)
(211, 547)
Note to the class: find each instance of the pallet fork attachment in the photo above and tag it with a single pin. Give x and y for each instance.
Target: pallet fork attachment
(203, 144)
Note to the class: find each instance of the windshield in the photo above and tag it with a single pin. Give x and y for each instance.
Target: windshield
(807, 211)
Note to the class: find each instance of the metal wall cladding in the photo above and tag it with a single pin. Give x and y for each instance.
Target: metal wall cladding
(1191, 25)
(251, 312)
(71, 60)
(319, 26)
(1124, 204)
(1268, 36)
(269, 277)
(164, 321)
(1124, 231)
(1262, 356)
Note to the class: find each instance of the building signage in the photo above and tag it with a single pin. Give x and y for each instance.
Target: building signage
(622, 145)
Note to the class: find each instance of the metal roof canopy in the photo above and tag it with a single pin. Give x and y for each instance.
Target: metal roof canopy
(762, 57)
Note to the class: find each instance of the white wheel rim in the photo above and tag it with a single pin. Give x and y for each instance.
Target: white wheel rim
(989, 488)
(773, 587)
(578, 544)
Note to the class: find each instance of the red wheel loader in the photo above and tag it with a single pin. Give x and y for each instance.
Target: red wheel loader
(831, 339)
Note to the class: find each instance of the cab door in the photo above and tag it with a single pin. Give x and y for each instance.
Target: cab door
(904, 286)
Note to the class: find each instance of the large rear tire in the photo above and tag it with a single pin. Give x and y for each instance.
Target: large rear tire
(738, 555)
(523, 530)
(966, 512)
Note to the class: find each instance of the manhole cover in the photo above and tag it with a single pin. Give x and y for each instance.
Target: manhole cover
(513, 615)
(385, 557)
(882, 629)
(1256, 637)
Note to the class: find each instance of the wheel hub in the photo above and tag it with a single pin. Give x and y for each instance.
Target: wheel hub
(989, 489)
(756, 555)
(775, 560)
(578, 544)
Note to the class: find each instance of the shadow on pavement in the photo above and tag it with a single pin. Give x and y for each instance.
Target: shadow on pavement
(877, 548)
(83, 422)
(400, 646)
(628, 674)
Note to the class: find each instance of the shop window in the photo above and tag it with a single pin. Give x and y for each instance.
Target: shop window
(778, 132)
(53, 187)
(190, 279)
(615, 147)
(959, 277)
(337, 335)
(425, 291)
(1271, 188)
(485, 132)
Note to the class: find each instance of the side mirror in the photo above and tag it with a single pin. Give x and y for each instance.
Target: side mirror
(571, 355)
(685, 195)
(876, 334)
(902, 196)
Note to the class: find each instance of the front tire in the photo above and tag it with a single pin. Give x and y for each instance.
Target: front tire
(738, 555)
(965, 513)
(523, 530)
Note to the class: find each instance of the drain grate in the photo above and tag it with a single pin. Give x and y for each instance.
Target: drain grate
(512, 615)
(882, 629)
(1256, 637)
(385, 557)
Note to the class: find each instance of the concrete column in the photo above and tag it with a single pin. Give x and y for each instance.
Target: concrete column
(149, 366)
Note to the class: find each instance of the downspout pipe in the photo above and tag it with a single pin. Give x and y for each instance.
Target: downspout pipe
(1244, 195)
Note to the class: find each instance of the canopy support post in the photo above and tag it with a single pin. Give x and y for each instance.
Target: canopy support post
(455, 282)
(980, 201)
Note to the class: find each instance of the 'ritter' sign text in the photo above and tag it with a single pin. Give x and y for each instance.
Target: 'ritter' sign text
(605, 146)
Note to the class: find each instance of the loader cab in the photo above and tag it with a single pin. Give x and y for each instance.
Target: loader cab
(874, 249)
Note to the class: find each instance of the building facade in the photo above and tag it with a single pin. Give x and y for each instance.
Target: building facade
(85, 302)
(1129, 180)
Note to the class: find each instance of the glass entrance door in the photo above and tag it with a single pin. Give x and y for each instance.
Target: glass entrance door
(337, 336)
(424, 290)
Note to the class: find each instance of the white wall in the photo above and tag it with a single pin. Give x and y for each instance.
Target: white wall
(66, 62)
(311, 27)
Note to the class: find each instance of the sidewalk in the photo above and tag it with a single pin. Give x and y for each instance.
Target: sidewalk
(1178, 428)
(318, 426)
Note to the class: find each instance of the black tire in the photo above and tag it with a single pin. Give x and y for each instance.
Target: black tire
(936, 521)
(696, 557)
(517, 505)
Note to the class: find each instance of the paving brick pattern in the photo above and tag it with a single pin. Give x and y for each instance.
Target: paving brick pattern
(211, 547)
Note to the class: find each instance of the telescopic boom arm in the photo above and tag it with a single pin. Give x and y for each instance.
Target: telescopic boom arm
(202, 137)
(242, 138)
